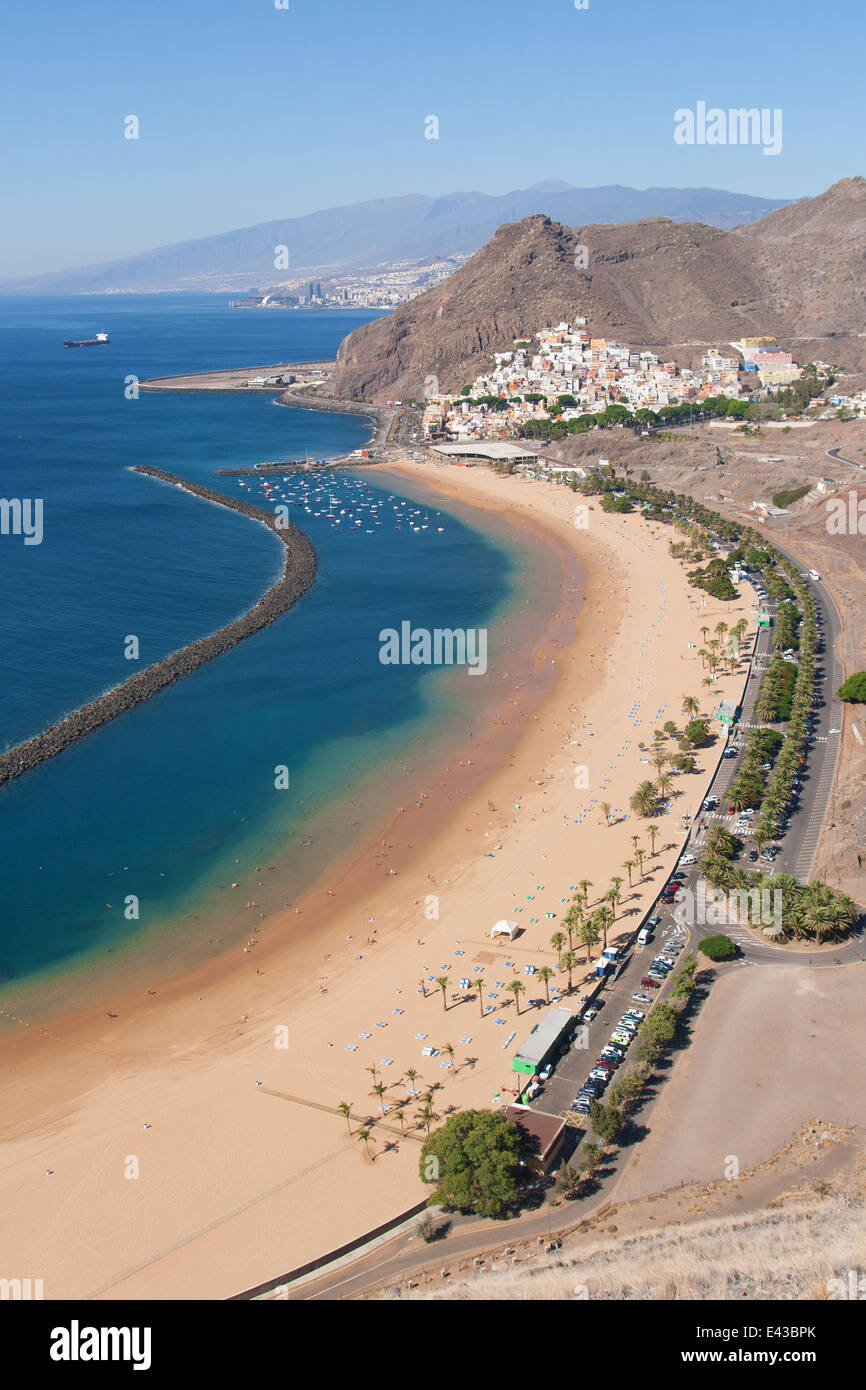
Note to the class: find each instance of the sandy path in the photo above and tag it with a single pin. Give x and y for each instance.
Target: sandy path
(173, 1174)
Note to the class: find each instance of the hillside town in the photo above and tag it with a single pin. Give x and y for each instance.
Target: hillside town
(565, 374)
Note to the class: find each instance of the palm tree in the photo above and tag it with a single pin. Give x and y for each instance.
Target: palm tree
(545, 974)
(824, 912)
(708, 682)
(569, 961)
(423, 983)
(605, 919)
(427, 1115)
(664, 784)
(557, 941)
(411, 1077)
(374, 1071)
(379, 1090)
(345, 1109)
(585, 884)
(704, 631)
(479, 985)
(589, 935)
(447, 1048)
(690, 706)
(606, 809)
(443, 983)
(659, 759)
(652, 831)
(613, 894)
(629, 865)
(364, 1136)
(516, 987)
(399, 1114)
(645, 799)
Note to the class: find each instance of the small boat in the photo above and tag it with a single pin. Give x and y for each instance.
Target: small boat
(87, 342)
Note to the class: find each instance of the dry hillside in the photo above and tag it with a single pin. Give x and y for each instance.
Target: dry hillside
(797, 273)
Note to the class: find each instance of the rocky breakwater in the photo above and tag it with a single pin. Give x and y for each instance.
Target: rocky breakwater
(299, 571)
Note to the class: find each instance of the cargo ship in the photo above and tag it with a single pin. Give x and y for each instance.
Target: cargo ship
(87, 342)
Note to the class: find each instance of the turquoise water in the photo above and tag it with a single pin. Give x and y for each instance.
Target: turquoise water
(176, 799)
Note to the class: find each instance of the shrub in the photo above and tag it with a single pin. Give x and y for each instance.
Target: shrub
(718, 948)
(854, 688)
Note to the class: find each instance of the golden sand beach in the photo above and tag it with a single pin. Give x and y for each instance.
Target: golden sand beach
(190, 1147)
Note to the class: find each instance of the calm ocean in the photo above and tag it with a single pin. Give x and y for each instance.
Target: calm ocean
(176, 799)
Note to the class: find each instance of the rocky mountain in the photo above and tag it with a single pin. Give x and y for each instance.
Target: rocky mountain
(798, 273)
(388, 229)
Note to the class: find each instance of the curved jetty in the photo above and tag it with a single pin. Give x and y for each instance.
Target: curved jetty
(299, 571)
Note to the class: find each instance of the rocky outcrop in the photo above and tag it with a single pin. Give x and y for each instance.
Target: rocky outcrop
(797, 273)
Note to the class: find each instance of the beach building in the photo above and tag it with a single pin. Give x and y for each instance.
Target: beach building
(728, 710)
(496, 450)
(542, 1135)
(545, 1036)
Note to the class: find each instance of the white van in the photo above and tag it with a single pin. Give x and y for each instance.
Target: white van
(688, 859)
(813, 574)
(643, 936)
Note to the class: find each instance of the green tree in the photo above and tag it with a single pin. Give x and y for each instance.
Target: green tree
(645, 799)
(545, 974)
(569, 961)
(443, 983)
(854, 688)
(475, 1155)
(479, 985)
(345, 1109)
(517, 987)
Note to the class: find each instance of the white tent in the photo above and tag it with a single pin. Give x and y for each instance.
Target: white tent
(503, 928)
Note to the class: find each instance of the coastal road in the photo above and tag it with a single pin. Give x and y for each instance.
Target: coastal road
(838, 457)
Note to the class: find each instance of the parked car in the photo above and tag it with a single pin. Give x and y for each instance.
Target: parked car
(642, 998)
(753, 854)
(650, 982)
(688, 859)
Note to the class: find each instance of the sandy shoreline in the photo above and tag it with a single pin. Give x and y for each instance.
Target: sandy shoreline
(237, 1182)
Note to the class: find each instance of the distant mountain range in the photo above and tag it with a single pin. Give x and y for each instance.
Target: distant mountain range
(798, 274)
(389, 229)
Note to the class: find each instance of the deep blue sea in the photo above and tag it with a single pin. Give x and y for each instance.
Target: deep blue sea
(174, 800)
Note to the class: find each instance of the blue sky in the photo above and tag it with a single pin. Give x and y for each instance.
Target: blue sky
(250, 113)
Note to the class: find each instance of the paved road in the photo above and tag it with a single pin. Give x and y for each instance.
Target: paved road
(838, 457)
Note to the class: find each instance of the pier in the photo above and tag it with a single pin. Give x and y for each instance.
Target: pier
(299, 571)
